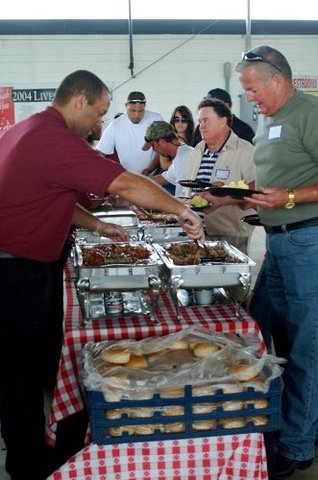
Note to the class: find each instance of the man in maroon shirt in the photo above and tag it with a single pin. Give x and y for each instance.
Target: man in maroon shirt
(45, 164)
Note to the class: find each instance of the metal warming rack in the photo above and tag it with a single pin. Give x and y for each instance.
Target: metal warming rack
(93, 282)
(232, 278)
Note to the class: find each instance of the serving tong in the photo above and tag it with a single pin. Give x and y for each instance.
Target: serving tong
(208, 258)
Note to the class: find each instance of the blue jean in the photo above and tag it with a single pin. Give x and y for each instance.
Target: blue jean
(292, 281)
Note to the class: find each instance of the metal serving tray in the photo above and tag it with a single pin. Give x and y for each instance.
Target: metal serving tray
(234, 278)
(154, 232)
(117, 276)
(84, 236)
(125, 218)
(92, 282)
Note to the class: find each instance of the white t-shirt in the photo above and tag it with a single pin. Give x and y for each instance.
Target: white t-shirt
(128, 139)
(180, 168)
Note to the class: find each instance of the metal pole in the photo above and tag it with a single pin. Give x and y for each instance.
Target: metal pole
(130, 30)
(248, 28)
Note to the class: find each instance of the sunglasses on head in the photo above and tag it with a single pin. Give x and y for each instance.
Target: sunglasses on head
(136, 100)
(180, 119)
(255, 57)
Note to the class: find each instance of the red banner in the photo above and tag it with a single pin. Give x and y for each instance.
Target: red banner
(6, 109)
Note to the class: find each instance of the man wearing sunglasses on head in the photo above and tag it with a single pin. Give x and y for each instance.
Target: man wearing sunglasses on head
(126, 134)
(286, 162)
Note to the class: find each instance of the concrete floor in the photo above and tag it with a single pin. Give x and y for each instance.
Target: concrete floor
(256, 253)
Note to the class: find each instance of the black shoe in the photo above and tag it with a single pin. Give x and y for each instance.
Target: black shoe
(285, 467)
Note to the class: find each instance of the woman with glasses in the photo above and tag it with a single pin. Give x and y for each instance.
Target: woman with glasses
(182, 121)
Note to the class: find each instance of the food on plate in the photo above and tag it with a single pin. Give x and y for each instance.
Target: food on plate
(116, 355)
(202, 350)
(238, 184)
(198, 202)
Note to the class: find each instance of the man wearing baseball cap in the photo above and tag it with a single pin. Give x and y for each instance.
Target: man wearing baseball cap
(162, 137)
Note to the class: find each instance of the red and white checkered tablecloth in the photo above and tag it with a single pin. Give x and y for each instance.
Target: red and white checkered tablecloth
(232, 457)
(228, 457)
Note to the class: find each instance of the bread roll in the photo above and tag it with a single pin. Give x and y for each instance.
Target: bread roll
(119, 431)
(140, 412)
(202, 350)
(243, 370)
(179, 345)
(175, 427)
(258, 403)
(235, 422)
(145, 429)
(115, 413)
(137, 361)
(171, 410)
(233, 388)
(204, 407)
(232, 405)
(204, 424)
(258, 420)
(116, 355)
(205, 389)
(171, 392)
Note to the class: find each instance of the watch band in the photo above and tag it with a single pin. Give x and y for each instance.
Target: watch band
(291, 199)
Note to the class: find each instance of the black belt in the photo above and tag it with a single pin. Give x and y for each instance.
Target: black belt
(291, 226)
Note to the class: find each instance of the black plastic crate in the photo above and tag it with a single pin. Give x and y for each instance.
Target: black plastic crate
(100, 424)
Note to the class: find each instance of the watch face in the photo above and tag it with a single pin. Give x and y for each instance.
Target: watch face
(289, 205)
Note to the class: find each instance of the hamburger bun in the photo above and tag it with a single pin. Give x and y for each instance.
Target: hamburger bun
(204, 425)
(171, 392)
(116, 355)
(235, 422)
(258, 420)
(137, 361)
(179, 345)
(176, 427)
(202, 350)
(244, 371)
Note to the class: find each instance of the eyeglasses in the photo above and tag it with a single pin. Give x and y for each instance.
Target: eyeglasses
(136, 100)
(180, 120)
(255, 57)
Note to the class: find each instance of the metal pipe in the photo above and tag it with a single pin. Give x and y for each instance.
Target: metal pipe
(248, 27)
(130, 30)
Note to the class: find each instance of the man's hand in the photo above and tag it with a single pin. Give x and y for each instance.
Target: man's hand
(270, 198)
(192, 224)
(112, 231)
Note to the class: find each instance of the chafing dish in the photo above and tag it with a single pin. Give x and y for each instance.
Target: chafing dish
(233, 275)
(124, 217)
(92, 282)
